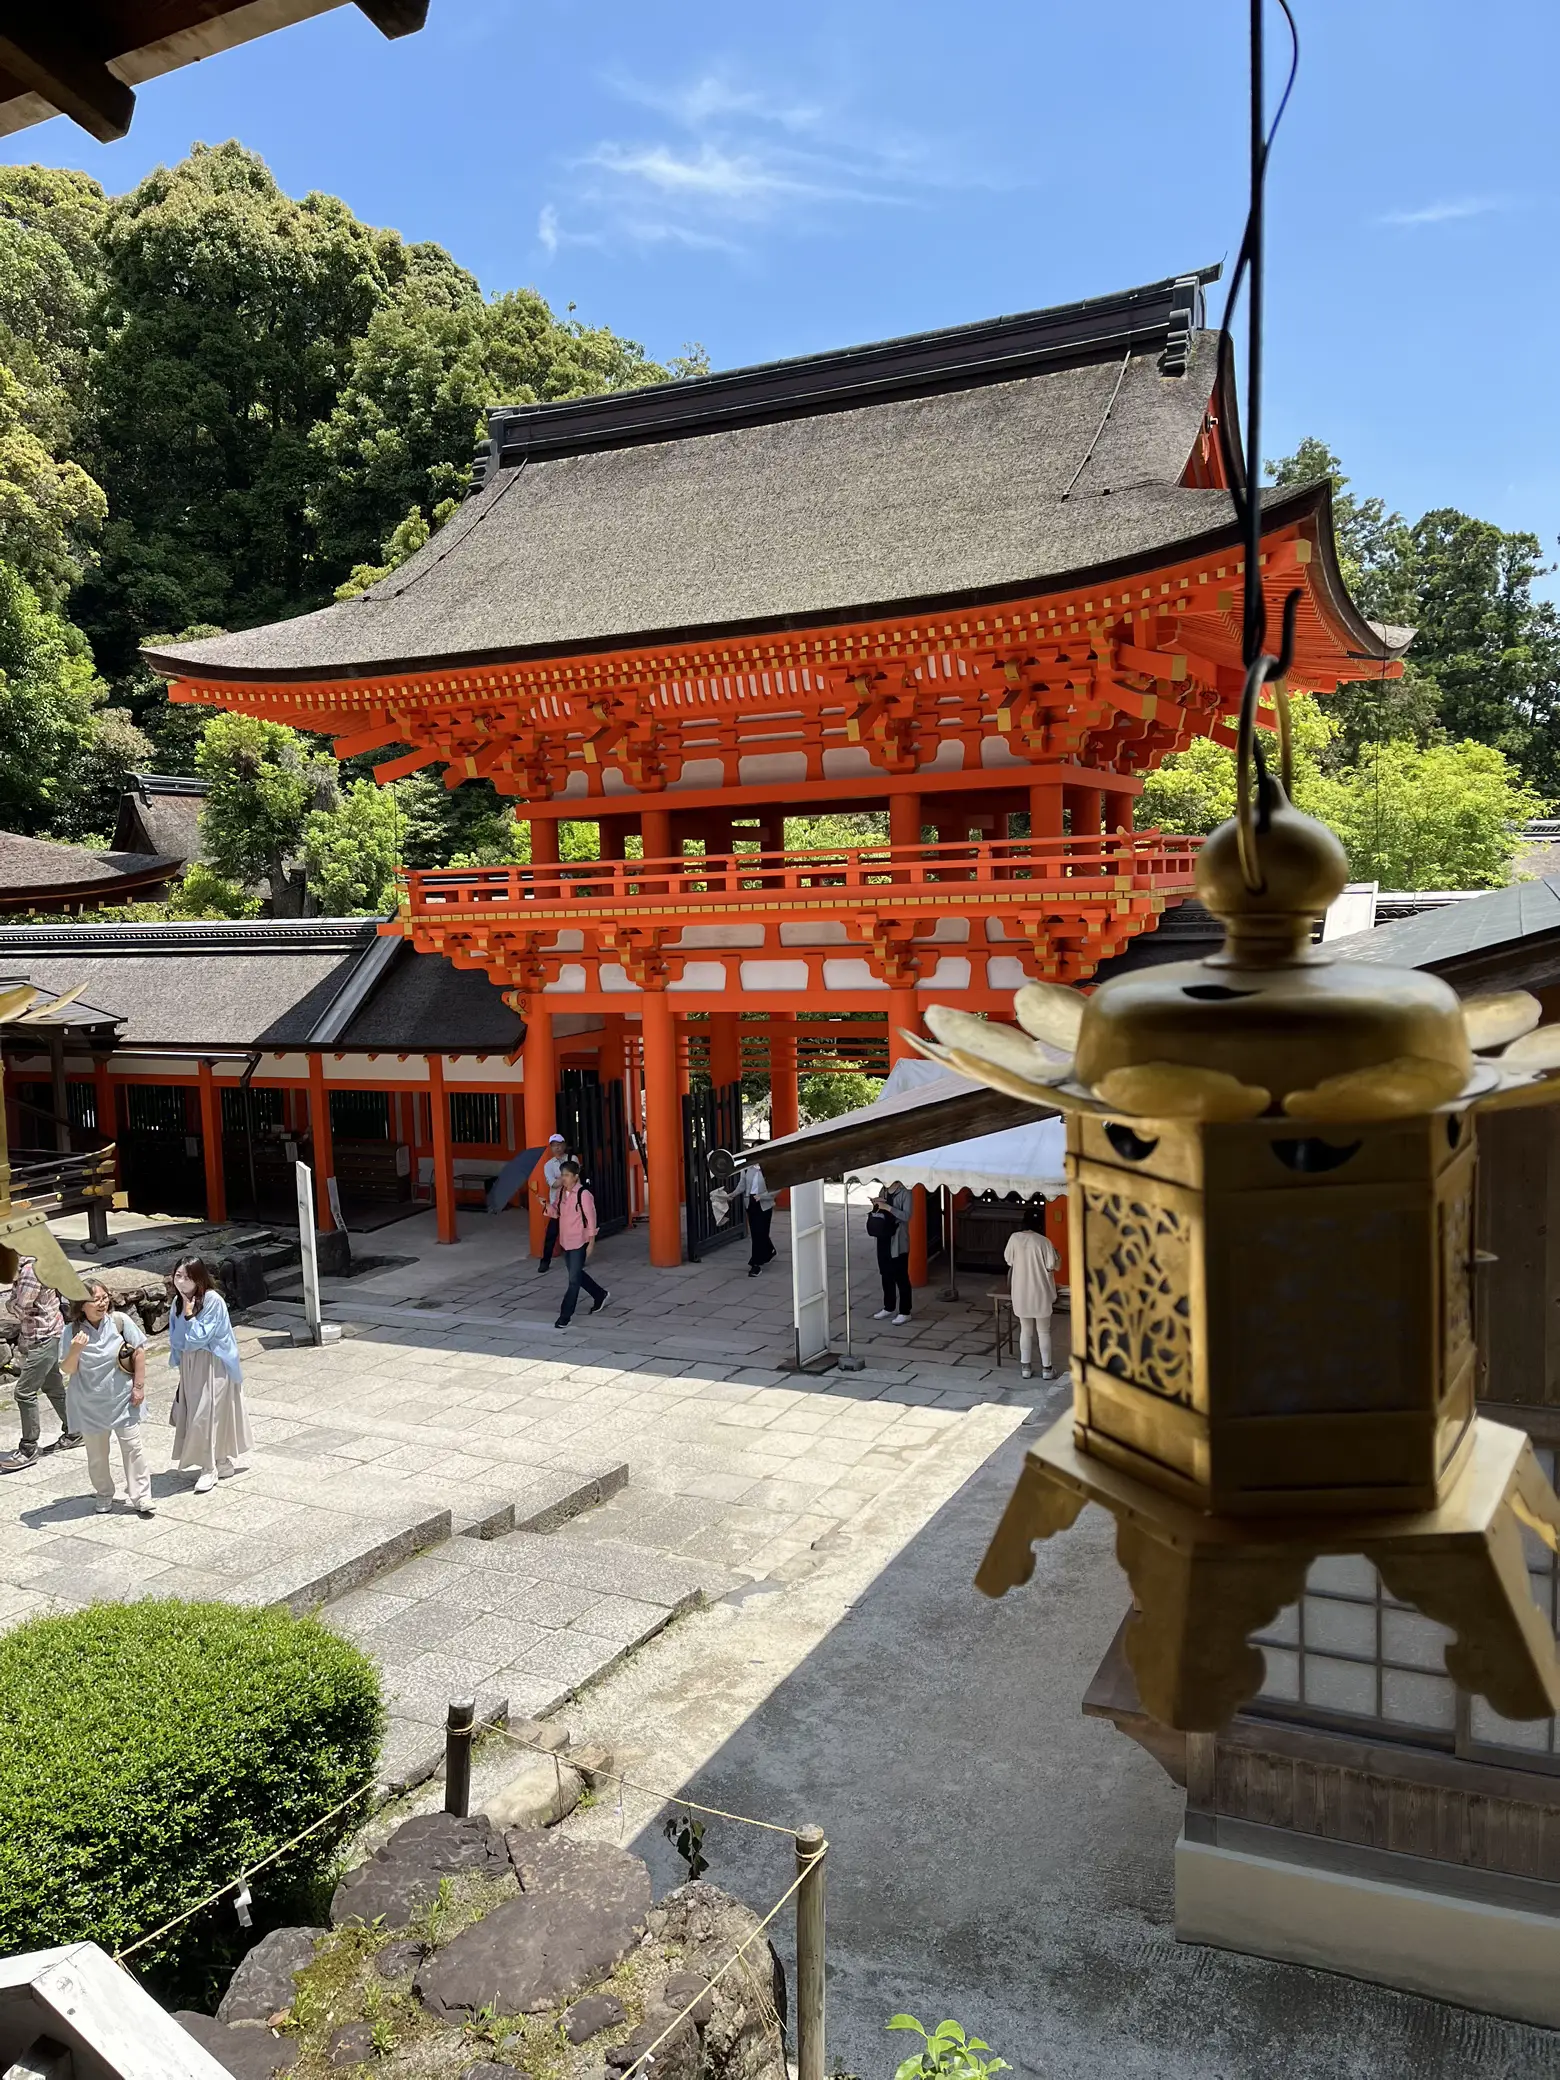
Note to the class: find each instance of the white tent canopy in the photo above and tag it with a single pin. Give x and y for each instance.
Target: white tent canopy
(1022, 1160)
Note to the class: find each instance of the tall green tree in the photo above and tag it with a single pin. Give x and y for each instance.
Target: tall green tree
(432, 358)
(264, 782)
(1485, 661)
(226, 328)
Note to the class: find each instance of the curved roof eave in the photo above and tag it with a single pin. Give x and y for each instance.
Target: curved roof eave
(1358, 637)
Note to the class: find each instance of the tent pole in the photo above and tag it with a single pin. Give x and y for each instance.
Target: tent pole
(848, 1361)
(952, 1292)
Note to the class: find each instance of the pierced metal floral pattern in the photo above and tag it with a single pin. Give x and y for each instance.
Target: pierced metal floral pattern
(1139, 1276)
(1457, 1276)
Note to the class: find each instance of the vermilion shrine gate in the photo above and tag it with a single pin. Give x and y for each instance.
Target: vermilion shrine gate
(980, 580)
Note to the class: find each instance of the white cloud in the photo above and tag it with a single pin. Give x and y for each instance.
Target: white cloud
(734, 160)
(1452, 211)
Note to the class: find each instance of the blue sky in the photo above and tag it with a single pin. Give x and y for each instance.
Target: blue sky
(770, 181)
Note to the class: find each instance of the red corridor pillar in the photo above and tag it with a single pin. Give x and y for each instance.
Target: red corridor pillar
(324, 1148)
(443, 1152)
(784, 1107)
(663, 1127)
(211, 1144)
(540, 1088)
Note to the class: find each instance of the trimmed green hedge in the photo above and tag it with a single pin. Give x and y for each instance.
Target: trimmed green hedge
(149, 1751)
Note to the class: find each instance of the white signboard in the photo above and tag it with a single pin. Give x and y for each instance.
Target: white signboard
(809, 1272)
(308, 1250)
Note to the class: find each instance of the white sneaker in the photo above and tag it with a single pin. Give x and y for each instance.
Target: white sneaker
(900, 1320)
(1024, 1372)
(884, 1314)
(103, 1506)
(205, 1484)
(226, 1468)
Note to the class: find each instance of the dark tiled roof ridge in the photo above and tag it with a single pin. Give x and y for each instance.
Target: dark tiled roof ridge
(259, 935)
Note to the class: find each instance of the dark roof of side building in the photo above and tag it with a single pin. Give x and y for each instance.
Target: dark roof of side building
(38, 870)
(951, 468)
(160, 813)
(320, 983)
(1507, 938)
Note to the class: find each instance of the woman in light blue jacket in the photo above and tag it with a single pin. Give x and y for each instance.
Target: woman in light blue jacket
(210, 1426)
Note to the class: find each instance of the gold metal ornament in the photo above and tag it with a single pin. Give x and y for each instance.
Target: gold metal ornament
(1271, 1160)
(24, 1233)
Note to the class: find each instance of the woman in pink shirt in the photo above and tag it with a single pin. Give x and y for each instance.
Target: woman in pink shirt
(574, 1210)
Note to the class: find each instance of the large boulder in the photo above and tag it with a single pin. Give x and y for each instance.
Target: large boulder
(542, 1793)
(248, 2052)
(263, 1985)
(731, 2030)
(581, 1909)
(401, 1879)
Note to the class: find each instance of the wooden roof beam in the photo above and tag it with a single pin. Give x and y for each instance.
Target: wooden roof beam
(66, 70)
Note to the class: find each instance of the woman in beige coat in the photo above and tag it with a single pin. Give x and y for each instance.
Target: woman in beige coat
(1032, 1264)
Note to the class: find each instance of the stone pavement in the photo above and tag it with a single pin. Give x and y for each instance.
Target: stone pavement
(391, 1467)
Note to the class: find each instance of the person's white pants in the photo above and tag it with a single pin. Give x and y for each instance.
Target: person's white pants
(137, 1480)
(1033, 1329)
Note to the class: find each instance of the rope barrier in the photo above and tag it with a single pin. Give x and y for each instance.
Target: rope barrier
(647, 2056)
(666, 1798)
(237, 1884)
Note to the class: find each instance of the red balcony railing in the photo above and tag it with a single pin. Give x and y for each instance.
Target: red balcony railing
(1141, 861)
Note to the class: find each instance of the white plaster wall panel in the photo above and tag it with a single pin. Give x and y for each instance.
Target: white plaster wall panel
(571, 976)
(577, 784)
(949, 759)
(568, 942)
(613, 978)
(764, 768)
(1004, 972)
(774, 975)
(998, 751)
(850, 975)
(613, 782)
(705, 975)
(699, 772)
(827, 932)
(950, 931)
(846, 761)
(693, 935)
(951, 972)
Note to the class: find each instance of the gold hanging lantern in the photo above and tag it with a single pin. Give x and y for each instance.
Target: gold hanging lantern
(1271, 1155)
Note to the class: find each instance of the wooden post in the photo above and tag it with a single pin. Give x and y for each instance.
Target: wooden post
(324, 1148)
(725, 1047)
(59, 1087)
(1045, 809)
(459, 1721)
(811, 1857)
(663, 1127)
(544, 841)
(443, 1151)
(784, 1109)
(541, 1106)
(211, 1144)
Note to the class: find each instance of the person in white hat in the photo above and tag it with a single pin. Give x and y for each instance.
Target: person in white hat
(552, 1171)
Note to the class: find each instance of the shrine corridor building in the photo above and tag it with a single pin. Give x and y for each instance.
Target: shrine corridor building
(976, 582)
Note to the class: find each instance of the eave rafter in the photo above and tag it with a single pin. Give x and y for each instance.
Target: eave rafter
(1115, 680)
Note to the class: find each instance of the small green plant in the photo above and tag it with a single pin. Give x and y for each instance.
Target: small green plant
(946, 2054)
(432, 1924)
(686, 1836)
(382, 2035)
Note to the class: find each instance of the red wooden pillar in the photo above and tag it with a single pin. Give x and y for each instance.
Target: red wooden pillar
(904, 1015)
(614, 830)
(725, 1047)
(784, 1110)
(544, 841)
(904, 819)
(1118, 810)
(663, 1127)
(107, 1103)
(541, 1104)
(443, 1151)
(211, 1143)
(324, 1148)
(1045, 809)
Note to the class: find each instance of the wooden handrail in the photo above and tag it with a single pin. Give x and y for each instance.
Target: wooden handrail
(1140, 859)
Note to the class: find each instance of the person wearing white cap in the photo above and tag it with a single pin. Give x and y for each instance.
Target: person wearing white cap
(552, 1171)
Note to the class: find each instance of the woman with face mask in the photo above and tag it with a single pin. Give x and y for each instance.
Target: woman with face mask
(210, 1427)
